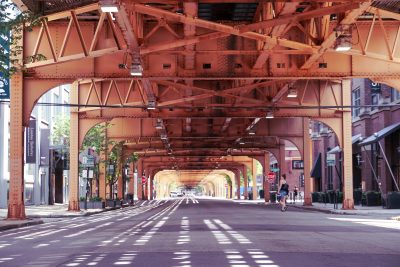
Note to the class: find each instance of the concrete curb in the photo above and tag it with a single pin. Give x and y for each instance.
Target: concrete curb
(345, 212)
(396, 218)
(330, 211)
(20, 224)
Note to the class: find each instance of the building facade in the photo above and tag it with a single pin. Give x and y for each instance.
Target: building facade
(376, 142)
(40, 185)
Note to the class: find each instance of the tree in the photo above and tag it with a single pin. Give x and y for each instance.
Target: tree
(11, 20)
(96, 138)
(115, 159)
(60, 134)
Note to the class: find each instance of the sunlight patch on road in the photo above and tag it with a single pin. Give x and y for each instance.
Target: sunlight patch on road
(96, 260)
(184, 237)
(183, 258)
(147, 236)
(125, 259)
(3, 244)
(239, 237)
(235, 258)
(219, 235)
(3, 260)
(260, 258)
(390, 224)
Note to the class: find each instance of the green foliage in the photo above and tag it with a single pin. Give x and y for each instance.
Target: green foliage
(12, 20)
(115, 158)
(96, 199)
(61, 130)
(228, 180)
(134, 157)
(97, 138)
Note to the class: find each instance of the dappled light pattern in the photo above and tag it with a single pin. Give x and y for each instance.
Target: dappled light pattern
(391, 224)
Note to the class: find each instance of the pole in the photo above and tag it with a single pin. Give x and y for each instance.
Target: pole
(388, 165)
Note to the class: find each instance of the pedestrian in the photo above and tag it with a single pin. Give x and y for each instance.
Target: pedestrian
(283, 191)
(295, 192)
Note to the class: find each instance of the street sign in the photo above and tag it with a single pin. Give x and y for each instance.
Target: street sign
(375, 88)
(30, 142)
(274, 169)
(271, 177)
(330, 159)
(88, 161)
(144, 179)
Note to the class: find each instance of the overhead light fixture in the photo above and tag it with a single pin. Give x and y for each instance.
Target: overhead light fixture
(136, 69)
(164, 136)
(252, 132)
(270, 115)
(151, 104)
(241, 142)
(292, 93)
(159, 125)
(344, 41)
(109, 6)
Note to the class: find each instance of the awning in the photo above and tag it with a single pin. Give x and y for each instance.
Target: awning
(334, 150)
(316, 171)
(337, 149)
(381, 134)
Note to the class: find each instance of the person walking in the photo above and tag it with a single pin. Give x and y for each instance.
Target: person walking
(295, 193)
(283, 191)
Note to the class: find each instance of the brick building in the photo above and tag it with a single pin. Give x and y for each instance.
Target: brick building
(376, 142)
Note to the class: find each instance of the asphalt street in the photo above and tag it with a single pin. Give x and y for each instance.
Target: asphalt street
(191, 231)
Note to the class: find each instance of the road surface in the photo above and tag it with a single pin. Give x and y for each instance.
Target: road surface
(203, 232)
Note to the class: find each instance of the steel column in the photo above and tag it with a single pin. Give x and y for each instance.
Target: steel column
(254, 173)
(266, 170)
(16, 207)
(139, 179)
(348, 201)
(307, 161)
(74, 151)
(246, 182)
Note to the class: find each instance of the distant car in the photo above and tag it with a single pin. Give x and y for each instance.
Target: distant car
(179, 194)
(173, 194)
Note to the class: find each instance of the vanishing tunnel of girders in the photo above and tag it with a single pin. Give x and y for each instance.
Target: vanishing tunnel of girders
(187, 84)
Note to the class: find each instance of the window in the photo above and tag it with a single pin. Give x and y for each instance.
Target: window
(395, 95)
(356, 102)
(374, 100)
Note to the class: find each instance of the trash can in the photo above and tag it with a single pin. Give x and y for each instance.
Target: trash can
(272, 196)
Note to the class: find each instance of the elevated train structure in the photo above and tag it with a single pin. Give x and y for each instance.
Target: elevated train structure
(192, 84)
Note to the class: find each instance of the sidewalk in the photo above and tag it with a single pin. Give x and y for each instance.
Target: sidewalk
(358, 210)
(329, 208)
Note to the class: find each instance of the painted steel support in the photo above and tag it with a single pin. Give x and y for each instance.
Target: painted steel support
(131, 179)
(266, 170)
(254, 174)
(307, 161)
(282, 158)
(74, 151)
(139, 179)
(16, 206)
(246, 182)
(347, 146)
(151, 185)
(237, 177)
